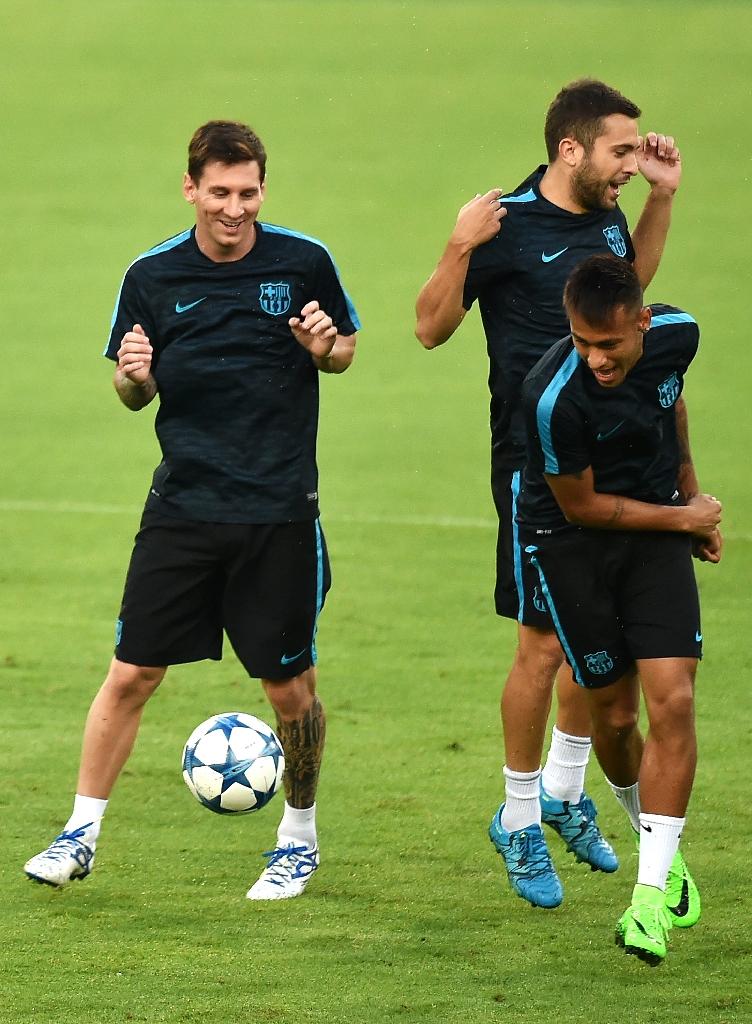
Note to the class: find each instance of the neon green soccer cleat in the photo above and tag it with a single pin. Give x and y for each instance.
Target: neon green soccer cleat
(643, 928)
(682, 896)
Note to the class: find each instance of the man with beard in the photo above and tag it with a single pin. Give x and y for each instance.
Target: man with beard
(562, 213)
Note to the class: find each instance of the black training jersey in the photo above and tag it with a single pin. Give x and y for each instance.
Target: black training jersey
(518, 278)
(627, 433)
(238, 396)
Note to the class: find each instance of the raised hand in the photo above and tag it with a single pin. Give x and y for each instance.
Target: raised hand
(659, 161)
(479, 220)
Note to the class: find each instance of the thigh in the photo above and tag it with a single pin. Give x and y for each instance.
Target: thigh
(517, 593)
(660, 607)
(274, 591)
(573, 571)
(170, 612)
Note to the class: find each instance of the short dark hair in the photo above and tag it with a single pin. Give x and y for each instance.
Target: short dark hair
(228, 142)
(600, 285)
(578, 112)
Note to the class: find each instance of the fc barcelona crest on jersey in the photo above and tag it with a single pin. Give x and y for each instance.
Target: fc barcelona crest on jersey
(615, 240)
(275, 297)
(669, 391)
(599, 663)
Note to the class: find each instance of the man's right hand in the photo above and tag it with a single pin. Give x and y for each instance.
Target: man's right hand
(478, 221)
(134, 355)
(705, 515)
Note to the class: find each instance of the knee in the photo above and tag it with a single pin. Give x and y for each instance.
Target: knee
(291, 698)
(673, 710)
(541, 657)
(133, 684)
(615, 721)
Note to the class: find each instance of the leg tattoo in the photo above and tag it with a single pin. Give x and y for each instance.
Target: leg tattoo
(303, 743)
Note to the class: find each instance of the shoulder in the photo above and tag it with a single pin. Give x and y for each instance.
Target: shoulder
(525, 198)
(671, 327)
(295, 242)
(554, 377)
(165, 251)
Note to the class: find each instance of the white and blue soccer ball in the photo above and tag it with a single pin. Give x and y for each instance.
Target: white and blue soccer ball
(233, 763)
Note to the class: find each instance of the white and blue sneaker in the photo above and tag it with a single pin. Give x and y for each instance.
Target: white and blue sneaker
(67, 857)
(287, 873)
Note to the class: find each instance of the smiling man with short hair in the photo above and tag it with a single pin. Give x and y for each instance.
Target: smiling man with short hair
(229, 324)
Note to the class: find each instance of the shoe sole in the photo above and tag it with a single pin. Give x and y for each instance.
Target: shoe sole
(652, 959)
(55, 885)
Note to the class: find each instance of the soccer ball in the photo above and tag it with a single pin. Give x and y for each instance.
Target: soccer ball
(233, 763)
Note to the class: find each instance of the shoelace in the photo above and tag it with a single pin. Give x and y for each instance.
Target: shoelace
(533, 857)
(68, 844)
(276, 870)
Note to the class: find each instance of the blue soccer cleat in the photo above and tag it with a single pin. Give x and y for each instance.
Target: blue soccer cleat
(575, 823)
(531, 872)
(67, 857)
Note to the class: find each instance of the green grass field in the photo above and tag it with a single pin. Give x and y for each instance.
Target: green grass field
(381, 119)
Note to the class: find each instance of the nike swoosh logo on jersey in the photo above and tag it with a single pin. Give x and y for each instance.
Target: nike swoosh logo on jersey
(180, 308)
(286, 659)
(604, 436)
(553, 256)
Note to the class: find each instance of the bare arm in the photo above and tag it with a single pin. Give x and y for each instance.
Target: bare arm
(659, 162)
(584, 506)
(133, 379)
(315, 331)
(439, 306)
(707, 549)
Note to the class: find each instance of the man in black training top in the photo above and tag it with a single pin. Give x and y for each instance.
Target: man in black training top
(512, 253)
(229, 323)
(608, 513)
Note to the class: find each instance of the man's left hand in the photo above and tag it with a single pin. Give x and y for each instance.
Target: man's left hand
(659, 161)
(314, 330)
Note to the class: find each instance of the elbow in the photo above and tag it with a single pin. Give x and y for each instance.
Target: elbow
(577, 515)
(426, 337)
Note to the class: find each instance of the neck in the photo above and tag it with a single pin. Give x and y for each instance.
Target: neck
(556, 187)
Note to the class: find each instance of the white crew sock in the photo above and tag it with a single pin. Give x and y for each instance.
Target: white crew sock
(564, 772)
(298, 826)
(629, 798)
(522, 800)
(659, 841)
(88, 812)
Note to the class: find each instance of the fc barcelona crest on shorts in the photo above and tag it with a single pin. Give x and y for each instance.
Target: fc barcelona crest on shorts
(275, 297)
(599, 663)
(615, 240)
(668, 391)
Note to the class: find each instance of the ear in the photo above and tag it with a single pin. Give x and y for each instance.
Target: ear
(262, 190)
(571, 152)
(646, 316)
(189, 188)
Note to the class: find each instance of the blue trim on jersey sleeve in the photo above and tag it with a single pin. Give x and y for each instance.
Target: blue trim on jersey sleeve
(527, 197)
(555, 617)
(516, 551)
(170, 243)
(278, 230)
(545, 410)
(671, 318)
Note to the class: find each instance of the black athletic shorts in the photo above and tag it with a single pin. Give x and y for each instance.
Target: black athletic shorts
(615, 598)
(263, 584)
(518, 593)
